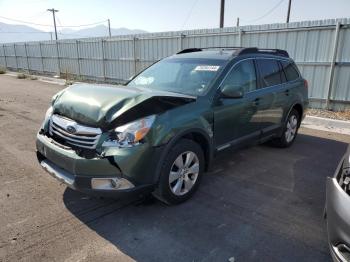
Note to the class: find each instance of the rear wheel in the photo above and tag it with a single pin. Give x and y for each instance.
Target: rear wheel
(181, 172)
(290, 130)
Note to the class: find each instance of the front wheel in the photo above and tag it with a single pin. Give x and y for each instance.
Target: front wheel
(290, 130)
(181, 172)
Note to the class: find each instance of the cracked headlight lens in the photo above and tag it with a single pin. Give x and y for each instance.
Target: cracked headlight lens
(48, 114)
(131, 133)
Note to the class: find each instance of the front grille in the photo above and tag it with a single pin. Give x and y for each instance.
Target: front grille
(72, 133)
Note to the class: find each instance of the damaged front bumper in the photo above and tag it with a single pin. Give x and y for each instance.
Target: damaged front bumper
(338, 217)
(115, 175)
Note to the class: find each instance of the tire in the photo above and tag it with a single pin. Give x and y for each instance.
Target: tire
(179, 180)
(290, 130)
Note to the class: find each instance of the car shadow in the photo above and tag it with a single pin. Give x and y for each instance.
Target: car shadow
(256, 204)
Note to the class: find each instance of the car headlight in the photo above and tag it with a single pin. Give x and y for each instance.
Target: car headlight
(48, 114)
(130, 134)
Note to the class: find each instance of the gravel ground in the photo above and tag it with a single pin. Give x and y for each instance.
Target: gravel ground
(344, 115)
(257, 204)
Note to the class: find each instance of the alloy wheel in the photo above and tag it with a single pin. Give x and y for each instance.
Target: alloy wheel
(184, 173)
(292, 126)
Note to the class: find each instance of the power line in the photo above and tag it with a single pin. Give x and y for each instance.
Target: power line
(39, 14)
(266, 14)
(100, 22)
(59, 23)
(74, 34)
(31, 23)
(24, 22)
(18, 32)
(189, 13)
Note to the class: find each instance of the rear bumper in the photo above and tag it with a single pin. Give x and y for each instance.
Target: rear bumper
(97, 176)
(338, 219)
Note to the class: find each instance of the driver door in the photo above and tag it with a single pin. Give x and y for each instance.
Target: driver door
(235, 117)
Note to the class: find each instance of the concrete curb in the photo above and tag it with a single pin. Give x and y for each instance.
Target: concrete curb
(46, 79)
(327, 124)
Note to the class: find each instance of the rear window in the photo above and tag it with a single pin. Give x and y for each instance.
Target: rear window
(270, 72)
(290, 71)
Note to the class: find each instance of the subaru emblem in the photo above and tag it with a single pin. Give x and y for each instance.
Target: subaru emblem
(71, 129)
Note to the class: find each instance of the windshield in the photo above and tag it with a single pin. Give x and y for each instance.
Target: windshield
(180, 75)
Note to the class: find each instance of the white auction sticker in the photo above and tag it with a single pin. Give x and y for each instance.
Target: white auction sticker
(207, 68)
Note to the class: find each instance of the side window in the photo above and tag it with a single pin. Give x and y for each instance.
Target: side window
(290, 70)
(283, 74)
(242, 76)
(270, 72)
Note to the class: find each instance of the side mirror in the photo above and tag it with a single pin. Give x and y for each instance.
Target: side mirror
(230, 91)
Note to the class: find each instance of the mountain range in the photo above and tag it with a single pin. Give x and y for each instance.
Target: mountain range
(21, 33)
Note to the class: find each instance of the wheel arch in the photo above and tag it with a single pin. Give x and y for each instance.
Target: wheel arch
(299, 108)
(197, 135)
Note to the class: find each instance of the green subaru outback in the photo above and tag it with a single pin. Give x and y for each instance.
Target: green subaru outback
(160, 132)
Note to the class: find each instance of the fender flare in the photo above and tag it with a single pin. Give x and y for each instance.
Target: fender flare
(167, 147)
(290, 109)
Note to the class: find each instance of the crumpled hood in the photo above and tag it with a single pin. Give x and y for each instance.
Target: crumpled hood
(99, 105)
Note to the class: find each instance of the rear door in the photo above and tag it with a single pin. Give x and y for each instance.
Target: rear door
(273, 95)
(293, 84)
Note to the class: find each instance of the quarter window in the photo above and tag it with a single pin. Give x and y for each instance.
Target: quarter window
(242, 76)
(290, 70)
(270, 72)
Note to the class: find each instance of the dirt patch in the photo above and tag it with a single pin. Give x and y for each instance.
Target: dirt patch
(344, 115)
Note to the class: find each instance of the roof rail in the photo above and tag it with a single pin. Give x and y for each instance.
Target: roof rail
(252, 50)
(240, 50)
(189, 50)
(223, 47)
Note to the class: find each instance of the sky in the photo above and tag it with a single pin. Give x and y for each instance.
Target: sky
(168, 15)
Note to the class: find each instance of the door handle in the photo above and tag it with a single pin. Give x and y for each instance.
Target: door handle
(286, 92)
(256, 101)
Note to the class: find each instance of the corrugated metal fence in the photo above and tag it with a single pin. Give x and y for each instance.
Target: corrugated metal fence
(320, 48)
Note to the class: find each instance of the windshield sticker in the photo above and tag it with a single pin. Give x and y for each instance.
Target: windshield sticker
(144, 81)
(207, 68)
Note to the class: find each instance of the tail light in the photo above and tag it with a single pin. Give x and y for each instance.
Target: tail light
(306, 84)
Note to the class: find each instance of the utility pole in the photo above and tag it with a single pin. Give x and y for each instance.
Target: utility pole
(53, 10)
(109, 28)
(288, 14)
(237, 23)
(222, 13)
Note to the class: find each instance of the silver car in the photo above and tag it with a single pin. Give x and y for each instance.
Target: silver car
(337, 212)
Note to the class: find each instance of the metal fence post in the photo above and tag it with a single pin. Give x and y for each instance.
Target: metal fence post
(3, 48)
(26, 51)
(135, 55)
(240, 37)
(181, 37)
(78, 57)
(42, 58)
(332, 67)
(103, 59)
(14, 48)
